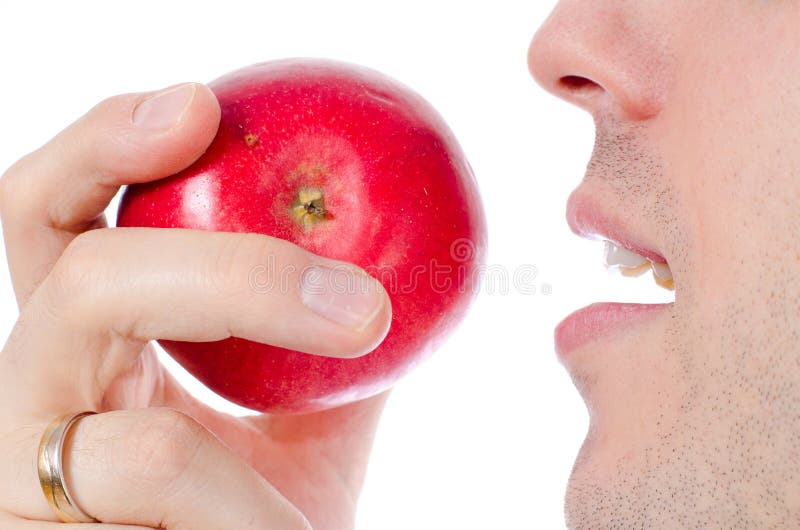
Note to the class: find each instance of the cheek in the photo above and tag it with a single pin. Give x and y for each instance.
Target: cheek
(731, 134)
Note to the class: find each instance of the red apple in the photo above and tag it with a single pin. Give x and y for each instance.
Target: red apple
(351, 165)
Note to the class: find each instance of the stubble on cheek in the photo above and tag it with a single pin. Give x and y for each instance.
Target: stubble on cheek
(720, 446)
(613, 480)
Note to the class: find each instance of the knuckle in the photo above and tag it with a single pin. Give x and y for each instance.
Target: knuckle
(232, 265)
(77, 271)
(9, 189)
(110, 105)
(159, 449)
(120, 151)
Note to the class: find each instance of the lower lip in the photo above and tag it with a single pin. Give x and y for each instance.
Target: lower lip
(599, 320)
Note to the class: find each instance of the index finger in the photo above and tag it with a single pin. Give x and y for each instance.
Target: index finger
(60, 190)
(87, 323)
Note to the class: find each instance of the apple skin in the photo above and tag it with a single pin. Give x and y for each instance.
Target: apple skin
(401, 202)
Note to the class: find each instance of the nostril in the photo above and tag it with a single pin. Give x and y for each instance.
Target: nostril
(577, 83)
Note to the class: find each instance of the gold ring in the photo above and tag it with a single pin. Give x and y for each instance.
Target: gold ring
(51, 470)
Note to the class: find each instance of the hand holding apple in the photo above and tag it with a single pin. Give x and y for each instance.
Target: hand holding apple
(348, 164)
(154, 456)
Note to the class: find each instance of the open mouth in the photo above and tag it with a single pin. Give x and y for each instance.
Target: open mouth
(630, 254)
(630, 263)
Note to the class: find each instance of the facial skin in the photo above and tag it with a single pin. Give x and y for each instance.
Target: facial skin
(695, 413)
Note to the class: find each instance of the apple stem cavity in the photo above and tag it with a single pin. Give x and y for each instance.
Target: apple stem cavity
(308, 209)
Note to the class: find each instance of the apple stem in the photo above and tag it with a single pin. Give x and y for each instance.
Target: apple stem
(308, 209)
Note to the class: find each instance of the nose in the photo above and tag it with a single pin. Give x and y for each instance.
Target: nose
(602, 55)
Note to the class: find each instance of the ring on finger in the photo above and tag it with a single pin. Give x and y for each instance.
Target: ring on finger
(51, 470)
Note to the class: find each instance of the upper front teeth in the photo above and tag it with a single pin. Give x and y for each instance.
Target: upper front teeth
(632, 263)
(622, 257)
(662, 270)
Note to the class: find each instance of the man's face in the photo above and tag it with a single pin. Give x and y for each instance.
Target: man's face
(695, 407)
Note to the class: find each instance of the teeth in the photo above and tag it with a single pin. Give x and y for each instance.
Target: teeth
(666, 284)
(635, 272)
(622, 257)
(631, 263)
(661, 270)
(663, 275)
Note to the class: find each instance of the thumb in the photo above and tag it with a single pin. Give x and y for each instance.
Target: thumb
(145, 136)
(62, 188)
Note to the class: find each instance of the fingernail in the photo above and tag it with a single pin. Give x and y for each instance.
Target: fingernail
(342, 294)
(164, 109)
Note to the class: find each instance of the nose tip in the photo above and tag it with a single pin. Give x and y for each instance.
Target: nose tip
(551, 70)
(587, 54)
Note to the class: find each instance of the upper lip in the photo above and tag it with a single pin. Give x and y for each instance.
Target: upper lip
(589, 219)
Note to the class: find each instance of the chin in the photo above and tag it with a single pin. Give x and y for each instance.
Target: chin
(596, 498)
(580, 510)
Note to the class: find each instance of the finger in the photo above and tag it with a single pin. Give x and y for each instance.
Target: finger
(23, 524)
(149, 384)
(10, 522)
(15, 523)
(141, 386)
(156, 468)
(61, 189)
(115, 289)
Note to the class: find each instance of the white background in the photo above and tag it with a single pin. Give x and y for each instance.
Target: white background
(484, 434)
